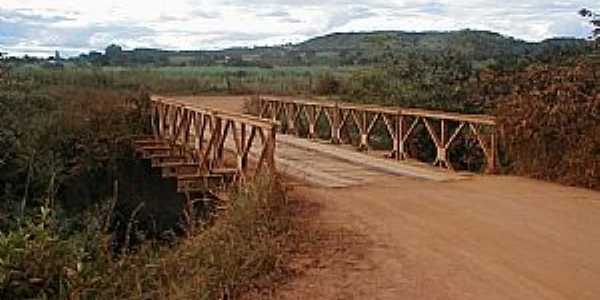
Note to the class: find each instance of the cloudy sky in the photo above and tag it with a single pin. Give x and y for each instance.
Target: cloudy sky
(38, 27)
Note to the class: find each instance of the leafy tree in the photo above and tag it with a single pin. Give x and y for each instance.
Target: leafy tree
(594, 19)
(4, 68)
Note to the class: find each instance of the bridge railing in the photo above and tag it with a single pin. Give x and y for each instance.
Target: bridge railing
(205, 134)
(443, 128)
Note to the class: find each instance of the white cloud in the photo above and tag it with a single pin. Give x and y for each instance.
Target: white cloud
(40, 26)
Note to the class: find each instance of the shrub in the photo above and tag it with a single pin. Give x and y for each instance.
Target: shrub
(36, 262)
(66, 135)
(245, 244)
(327, 84)
(550, 121)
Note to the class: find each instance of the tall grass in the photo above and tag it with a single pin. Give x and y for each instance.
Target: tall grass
(247, 243)
(188, 80)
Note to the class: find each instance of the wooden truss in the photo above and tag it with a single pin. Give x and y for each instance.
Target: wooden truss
(189, 143)
(443, 128)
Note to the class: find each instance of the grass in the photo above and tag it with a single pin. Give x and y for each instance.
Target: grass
(248, 242)
(187, 80)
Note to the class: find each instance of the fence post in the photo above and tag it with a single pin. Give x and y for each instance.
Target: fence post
(335, 125)
(364, 135)
(153, 120)
(290, 112)
(492, 160)
(396, 137)
(272, 147)
(260, 106)
(401, 138)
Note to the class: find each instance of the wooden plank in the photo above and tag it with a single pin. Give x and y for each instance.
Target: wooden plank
(475, 118)
(248, 119)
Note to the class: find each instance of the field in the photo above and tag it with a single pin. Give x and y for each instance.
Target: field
(190, 80)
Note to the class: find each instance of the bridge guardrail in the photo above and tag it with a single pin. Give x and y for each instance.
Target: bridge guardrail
(203, 134)
(443, 128)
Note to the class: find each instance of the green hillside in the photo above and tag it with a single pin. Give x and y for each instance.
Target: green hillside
(477, 45)
(337, 49)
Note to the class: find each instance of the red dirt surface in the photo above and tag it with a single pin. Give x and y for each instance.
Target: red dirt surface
(485, 238)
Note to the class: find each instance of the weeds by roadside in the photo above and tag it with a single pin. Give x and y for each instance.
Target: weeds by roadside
(247, 242)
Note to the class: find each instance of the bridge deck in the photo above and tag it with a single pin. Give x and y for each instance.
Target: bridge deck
(327, 165)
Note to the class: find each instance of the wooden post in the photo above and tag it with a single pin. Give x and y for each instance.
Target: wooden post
(241, 159)
(335, 125)
(440, 159)
(217, 149)
(312, 120)
(163, 121)
(492, 160)
(442, 149)
(186, 128)
(199, 127)
(289, 114)
(272, 145)
(364, 134)
(396, 137)
(276, 107)
(173, 128)
(153, 120)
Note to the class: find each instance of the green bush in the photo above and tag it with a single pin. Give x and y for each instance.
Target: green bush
(327, 84)
(36, 262)
(67, 137)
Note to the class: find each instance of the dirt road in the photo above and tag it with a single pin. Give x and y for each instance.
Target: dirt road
(485, 237)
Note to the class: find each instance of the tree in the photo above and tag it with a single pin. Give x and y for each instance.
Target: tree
(594, 19)
(113, 51)
(4, 68)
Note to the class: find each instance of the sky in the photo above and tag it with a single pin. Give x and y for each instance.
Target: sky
(39, 27)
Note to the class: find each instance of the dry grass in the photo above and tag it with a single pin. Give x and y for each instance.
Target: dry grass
(246, 248)
(246, 245)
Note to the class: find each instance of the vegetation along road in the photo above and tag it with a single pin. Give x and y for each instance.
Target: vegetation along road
(464, 237)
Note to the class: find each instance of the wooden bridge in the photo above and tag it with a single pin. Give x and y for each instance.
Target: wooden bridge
(205, 149)
(399, 125)
(189, 144)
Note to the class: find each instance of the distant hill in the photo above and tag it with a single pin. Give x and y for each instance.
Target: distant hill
(479, 45)
(466, 39)
(351, 49)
